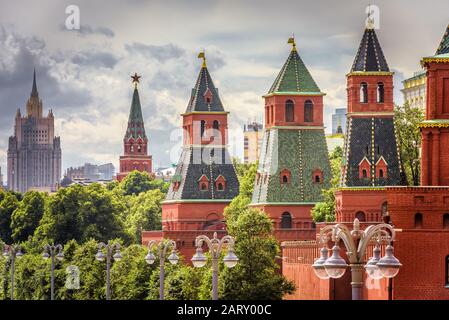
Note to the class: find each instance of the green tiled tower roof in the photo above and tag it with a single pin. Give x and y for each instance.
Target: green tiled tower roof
(204, 86)
(136, 127)
(444, 45)
(299, 151)
(294, 78)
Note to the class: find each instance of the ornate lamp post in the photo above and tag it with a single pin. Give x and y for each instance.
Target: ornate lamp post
(356, 242)
(215, 247)
(53, 251)
(100, 256)
(12, 252)
(162, 248)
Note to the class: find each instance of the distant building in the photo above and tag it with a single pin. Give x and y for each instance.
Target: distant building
(34, 153)
(1, 179)
(91, 172)
(339, 121)
(165, 173)
(415, 90)
(253, 135)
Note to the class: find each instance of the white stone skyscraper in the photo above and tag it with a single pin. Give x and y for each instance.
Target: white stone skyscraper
(34, 153)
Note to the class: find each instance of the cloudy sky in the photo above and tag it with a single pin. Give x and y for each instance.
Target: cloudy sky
(84, 75)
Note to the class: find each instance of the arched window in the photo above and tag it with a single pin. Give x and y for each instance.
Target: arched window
(216, 125)
(132, 148)
(285, 176)
(308, 111)
(289, 111)
(364, 92)
(364, 173)
(203, 186)
(286, 220)
(380, 92)
(284, 179)
(446, 221)
(220, 186)
(317, 179)
(418, 220)
(139, 148)
(361, 216)
(203, 127)
(381, 173)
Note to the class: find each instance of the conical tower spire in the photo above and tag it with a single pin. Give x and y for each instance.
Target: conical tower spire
(370, 57)
(294, 77)
(204, 96)
(34, 92)
(443, 48)
(136, 126)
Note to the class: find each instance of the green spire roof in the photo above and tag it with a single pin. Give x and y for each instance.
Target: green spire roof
(444, 45)
(136, 127)
(294, 78)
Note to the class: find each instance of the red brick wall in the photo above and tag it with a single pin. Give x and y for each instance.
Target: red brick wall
(353, 85)
(277, 103)
(349, 202)
(422, 251)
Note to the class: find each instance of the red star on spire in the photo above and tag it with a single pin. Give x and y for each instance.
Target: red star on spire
(135, 78)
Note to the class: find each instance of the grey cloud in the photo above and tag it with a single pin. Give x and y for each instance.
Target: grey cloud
(160, 53)
(99, 59)
(87, 29)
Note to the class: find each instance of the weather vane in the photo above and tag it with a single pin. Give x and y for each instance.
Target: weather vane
(291, 40)
(135, 78)
(202, 55)
(370, 19)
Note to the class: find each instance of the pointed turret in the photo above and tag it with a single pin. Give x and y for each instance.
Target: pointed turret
(135, 141)
(204, 96)
(136, 126)
(34, 92)
(370, 57)
(443, 48)
(294, 78)
(293, 163)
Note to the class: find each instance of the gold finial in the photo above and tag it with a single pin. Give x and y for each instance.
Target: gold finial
(291, 40)
(370, 18)
(202, 55)
(135, 78)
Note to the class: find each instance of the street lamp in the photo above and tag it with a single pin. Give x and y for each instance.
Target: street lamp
(53, 251)
(215, 247)
(12, 252)
(100, 256)
(162, 248)
(356, 242)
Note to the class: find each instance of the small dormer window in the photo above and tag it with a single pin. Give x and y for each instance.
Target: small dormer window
(285, 177)
(203, 183)
(203, 186)
(220, 183)
(208, 96)
(317, 176)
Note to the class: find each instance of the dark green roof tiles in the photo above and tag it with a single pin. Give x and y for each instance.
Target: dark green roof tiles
(204, 97)
(444, 45)
(294, 78)
(136, 126)
(370, 57)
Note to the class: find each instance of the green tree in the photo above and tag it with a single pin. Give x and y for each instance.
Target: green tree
(325, 210)
(81, 213)
(25, 219)
(145, 213)
(8, 204)
(137, 182)
(256, 276)
(130, 276)
(406, 121)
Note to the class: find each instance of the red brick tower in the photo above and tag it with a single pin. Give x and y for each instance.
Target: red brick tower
(435, 129)
(371, 159)
(205, 181)
(135, 143)
(294, 164)
(422, 213)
